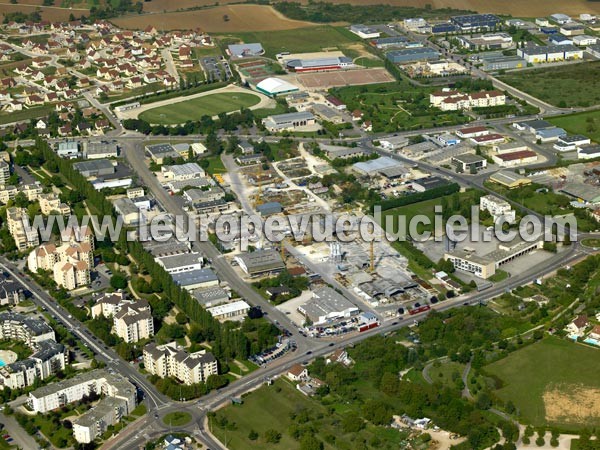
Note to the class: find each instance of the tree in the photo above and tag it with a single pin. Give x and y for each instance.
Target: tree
(253, 435)
(310, 442)
(118, 281)
(272, 436)
(352, 423)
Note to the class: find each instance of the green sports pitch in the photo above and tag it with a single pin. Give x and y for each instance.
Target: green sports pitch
(194, 109)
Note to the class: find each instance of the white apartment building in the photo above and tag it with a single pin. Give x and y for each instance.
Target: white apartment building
(70, 263)
(108, 304)
(498, 208)
(448, 100)
(4, 172)
(119, 400)
(76, 234)
(18, 225)
(50, 203)
(133, 322)
(32, 191)
(48, 356)
(171, 360)
(7, 193)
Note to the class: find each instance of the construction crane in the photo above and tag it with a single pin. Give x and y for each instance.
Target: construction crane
(282, 248)
(258, 199)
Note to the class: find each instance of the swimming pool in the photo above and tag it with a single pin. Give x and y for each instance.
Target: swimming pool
(2, 363)
(592, 341)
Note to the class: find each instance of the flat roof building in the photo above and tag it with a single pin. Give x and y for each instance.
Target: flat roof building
(159, 152)
(289, 121)
(327, 305)
(245, 50)
(410, 55)
(96, 168)
(260, 262)
(196, 279)
(230, 310)
(476, 21)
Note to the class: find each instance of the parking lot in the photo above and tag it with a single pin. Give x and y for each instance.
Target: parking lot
(215, 70)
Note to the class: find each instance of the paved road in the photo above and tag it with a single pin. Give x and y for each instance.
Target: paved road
(12, 427)
(103, 353)
(134, 153)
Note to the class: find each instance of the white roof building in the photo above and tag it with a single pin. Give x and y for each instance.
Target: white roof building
(230, 310)
(275, 86)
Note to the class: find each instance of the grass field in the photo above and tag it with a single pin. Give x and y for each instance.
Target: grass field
(427, 208)
(397, 106)
(550, 382)
(582, 123)
(313, 39)
(31, 113)
(281, 407)
(208, 105)
(565, 86)
(177, 418)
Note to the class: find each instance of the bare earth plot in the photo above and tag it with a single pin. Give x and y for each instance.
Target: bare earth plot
(240, 18)
(50, 13)
(552, 382)
(568, 403)
(326, 80)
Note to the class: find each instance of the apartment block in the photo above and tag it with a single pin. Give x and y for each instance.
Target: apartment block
(171, 360)
(18, 225)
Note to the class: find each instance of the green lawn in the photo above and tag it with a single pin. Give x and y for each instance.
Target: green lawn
(587, 124)
(427, 209)
(369, 62)
(565, 86)
(215, 165)
(551, 363)
(313, 39)
(177, 419)
(26, 114)
(591, 242)
(448, 373)
(194, 109)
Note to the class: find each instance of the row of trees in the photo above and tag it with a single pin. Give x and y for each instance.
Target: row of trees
(204, 126)
(228, 341)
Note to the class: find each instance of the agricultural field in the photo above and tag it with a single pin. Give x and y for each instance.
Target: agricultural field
(587, 123)
(222, 19)
(304, 40)
(52, 14)
(397, 106)
(550, 384)
(156, 6)
(565, 86)
(531, 8)
(208, 105)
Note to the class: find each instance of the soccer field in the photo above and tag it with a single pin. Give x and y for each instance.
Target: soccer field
(208, 105)
(552, 382)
